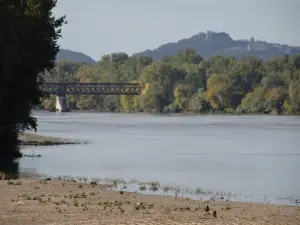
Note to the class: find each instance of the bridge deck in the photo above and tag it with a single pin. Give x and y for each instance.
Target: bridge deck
(91, 88)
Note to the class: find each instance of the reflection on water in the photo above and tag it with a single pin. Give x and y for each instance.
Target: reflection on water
(253, 156)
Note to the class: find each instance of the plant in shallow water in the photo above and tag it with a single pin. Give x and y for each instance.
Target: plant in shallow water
(154, 186)
(142, 187)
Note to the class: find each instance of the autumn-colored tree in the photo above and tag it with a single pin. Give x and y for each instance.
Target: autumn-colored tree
(183, 94)
(153, 98)
(219, 91)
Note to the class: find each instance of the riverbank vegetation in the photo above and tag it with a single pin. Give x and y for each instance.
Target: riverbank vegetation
(188, 83)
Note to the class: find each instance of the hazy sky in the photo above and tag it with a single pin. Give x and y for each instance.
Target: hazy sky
(97, 27)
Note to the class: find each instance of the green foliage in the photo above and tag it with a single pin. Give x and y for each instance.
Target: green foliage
(130, 103)
(49, 103)
(28, 43)
(186, 82)
(153, 98)
(183, 94)
(198, 104)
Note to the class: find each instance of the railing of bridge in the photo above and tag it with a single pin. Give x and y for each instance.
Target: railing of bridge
(91, 88)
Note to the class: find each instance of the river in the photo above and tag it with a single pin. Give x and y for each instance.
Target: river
(255, 157)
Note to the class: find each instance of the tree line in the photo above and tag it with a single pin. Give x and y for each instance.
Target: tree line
(187, 82)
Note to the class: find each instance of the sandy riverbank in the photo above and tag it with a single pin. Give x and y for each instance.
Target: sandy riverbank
(35, 202)
(39, 140)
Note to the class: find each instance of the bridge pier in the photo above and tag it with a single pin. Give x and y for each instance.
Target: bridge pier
(61, 103)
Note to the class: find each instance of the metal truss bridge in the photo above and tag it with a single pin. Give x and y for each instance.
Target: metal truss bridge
(62, 89)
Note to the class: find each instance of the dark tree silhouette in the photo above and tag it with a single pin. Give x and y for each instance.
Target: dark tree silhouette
(28, 45)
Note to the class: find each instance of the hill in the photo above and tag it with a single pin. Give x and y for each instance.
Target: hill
(78, 57)
(213, 43)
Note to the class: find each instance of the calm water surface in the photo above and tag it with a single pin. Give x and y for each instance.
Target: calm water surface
(256, 157)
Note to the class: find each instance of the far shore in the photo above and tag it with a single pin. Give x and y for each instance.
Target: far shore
(47, 201)
(173, 113)
(40, 140)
